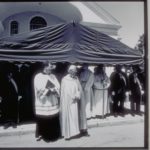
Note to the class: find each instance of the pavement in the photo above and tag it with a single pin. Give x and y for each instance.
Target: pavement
(108, 121)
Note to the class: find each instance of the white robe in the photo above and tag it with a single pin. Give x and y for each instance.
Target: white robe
(82, 112)
(86, 80)
(100, 102)
(69, 113)
(45, 104)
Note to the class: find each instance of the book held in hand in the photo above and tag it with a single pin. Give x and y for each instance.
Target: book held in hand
(49, 85)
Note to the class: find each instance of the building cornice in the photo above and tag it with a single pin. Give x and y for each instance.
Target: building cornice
(109, 29)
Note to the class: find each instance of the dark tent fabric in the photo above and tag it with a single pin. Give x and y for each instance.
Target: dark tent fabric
(70, 42)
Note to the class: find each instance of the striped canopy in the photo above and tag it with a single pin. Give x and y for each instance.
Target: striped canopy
(71, 42)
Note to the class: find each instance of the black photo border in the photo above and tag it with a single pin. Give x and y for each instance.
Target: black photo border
(146, 60)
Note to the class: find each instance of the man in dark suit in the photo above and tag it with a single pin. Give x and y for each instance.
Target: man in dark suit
(142, 78)
(118, 89)
(135, 91)
(9, 94)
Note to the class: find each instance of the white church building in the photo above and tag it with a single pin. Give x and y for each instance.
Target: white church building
(22, 17)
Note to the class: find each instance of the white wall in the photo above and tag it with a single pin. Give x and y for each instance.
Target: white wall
(24, 21)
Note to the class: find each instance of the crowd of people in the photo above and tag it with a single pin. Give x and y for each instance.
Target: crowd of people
(62, 107)
(62, 97)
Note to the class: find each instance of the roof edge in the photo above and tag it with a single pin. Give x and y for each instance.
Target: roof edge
(95, 6)
(109, 29)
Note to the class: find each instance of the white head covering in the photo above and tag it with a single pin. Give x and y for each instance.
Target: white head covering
(72, 68)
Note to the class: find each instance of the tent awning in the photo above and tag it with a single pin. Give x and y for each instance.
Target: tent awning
(71, 42)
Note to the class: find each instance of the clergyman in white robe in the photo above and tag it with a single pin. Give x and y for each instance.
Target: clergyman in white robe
(100, 90)
(45, 104)
(47, 91)
(70, 102)
(86, 79)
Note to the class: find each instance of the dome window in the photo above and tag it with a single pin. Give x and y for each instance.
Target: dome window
(14, 27)
(37, 22)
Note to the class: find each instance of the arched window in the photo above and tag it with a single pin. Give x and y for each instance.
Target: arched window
(37, 22)
(14, 27)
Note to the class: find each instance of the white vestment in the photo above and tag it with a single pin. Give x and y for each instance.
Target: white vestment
(69, 111)
(100, 89)
(86, 80)
(46, 102)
